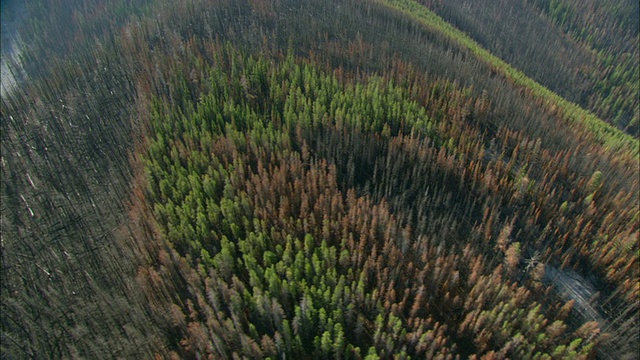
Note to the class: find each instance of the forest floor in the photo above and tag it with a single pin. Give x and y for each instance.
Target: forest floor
(572, 286)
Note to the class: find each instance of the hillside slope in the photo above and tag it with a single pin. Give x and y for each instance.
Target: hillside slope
(586, 51)
(352, 179)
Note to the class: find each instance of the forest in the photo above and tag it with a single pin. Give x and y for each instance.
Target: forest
(332, 179)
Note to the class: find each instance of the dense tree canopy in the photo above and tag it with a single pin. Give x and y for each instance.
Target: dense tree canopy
(353, 179)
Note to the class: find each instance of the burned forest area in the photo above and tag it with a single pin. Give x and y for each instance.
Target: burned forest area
(327, 179)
